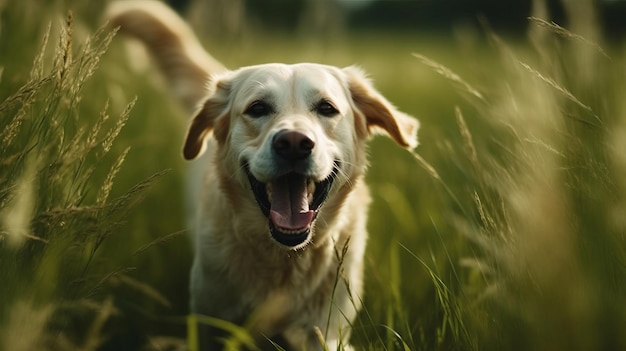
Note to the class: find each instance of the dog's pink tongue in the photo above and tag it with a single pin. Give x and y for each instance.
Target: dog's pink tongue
(290, 204)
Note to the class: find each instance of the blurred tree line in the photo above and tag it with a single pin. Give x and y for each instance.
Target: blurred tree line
(232, 17)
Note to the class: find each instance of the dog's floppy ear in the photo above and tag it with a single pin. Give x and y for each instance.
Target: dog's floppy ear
(378, 112)
(212, 116)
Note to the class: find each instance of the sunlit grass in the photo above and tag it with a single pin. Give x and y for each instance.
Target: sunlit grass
(56, 203)
(505, 231)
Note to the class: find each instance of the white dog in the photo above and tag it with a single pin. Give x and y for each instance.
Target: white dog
(280, 227)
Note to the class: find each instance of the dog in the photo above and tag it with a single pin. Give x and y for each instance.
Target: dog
(281, 203)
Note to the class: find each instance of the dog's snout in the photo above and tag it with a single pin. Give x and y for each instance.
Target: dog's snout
(292, 145)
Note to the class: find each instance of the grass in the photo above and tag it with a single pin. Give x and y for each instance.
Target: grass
(506, 231)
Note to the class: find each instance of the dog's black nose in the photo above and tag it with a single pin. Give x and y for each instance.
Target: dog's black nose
(292, 145)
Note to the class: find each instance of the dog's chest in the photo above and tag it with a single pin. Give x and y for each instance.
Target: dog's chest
(279, 287)
(268, 269)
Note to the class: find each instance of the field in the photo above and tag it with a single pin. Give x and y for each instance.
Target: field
(506, 232)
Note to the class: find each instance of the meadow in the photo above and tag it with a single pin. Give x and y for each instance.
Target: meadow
(506, 230)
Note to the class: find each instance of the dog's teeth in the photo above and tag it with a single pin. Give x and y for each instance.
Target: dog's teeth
(310, 190)
(290, 231)
(268, 190)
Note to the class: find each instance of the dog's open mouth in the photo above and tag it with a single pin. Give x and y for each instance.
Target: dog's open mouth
(291, 203)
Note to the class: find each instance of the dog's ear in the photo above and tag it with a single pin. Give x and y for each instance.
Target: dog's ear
(378, 112)
(212, 117)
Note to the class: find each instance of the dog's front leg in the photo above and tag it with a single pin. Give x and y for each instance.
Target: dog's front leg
(215, 298)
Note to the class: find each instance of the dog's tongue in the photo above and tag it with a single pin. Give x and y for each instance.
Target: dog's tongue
(290, 204)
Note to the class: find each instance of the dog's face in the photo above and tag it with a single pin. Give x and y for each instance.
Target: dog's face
(292, 134)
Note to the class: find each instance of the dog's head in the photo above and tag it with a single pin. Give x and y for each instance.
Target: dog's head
(293, 134)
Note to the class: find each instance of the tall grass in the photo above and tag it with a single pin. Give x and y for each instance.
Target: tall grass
(535, 191)
(505, 231)
(56, 209)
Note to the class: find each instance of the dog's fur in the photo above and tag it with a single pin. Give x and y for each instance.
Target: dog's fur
(284, 260)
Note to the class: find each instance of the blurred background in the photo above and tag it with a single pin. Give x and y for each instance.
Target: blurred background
(506, 234)
(423, 17)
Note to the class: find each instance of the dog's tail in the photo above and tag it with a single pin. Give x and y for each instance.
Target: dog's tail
(183, 61)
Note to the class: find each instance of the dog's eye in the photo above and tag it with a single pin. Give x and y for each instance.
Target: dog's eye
(326, 109)
(259, 109)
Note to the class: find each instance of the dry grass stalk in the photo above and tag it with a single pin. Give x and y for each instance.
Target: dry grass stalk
(448, 74)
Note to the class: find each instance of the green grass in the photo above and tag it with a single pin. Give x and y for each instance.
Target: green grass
(507, 234)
